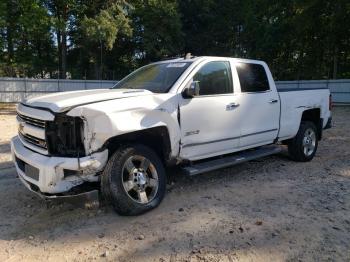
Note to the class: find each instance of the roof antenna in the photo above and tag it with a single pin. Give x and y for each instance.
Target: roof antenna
(188, 56)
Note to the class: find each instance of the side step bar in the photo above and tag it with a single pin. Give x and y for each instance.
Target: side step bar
(244, 156)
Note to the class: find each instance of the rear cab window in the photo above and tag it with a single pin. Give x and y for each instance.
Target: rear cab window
(252, 77)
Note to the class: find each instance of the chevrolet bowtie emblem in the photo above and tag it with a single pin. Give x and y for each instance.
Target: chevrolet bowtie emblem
(21, 127)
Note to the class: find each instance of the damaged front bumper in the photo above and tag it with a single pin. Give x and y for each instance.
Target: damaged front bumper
(53, 177)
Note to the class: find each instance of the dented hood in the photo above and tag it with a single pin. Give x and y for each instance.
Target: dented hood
(61, 102)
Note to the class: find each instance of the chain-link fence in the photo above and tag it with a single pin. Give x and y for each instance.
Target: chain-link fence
(17, 89)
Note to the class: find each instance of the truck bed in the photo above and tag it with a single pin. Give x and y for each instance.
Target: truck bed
(294, 101)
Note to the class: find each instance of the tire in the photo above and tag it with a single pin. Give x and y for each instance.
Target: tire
(132, 185)
(303, 147)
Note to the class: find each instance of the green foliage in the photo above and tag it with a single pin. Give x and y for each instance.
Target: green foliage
(299, 39)
(26, 46)
(107, 25)
(212, 27)
(157, 25)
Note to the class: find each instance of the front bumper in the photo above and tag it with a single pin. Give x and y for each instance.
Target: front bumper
(48, 176)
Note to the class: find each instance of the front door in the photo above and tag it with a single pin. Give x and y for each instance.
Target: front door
(209, 120)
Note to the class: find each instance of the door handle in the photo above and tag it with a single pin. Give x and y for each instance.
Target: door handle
(272, 101)
(231, 106)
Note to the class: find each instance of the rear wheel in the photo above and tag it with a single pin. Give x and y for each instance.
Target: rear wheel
(303, 146)
(134, 180)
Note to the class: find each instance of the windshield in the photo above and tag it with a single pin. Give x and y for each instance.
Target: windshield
(157, 78)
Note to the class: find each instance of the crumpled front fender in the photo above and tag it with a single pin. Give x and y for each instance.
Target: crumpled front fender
(112, 118)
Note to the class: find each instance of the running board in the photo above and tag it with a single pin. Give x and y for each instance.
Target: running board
(231, 160)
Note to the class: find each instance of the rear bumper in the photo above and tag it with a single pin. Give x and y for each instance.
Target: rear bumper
(329, 123)
(48, 176)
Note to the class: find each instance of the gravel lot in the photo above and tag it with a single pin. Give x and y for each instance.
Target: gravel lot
(271, 209)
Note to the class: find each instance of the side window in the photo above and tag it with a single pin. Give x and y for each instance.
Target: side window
(252, 77)
(214, 78)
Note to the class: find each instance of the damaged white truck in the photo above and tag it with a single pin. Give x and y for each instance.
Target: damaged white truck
(202, 113)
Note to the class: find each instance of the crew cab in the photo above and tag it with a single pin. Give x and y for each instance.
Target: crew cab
(201, 113)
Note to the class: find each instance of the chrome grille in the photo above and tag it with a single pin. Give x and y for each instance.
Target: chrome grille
(34, 140)
(28, 130)
(31, 121)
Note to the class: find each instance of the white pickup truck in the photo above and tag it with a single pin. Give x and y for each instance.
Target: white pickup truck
(201, 113)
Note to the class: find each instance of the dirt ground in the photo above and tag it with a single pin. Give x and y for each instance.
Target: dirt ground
(271, 209)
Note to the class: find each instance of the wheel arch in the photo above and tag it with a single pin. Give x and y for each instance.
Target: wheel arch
(314, 115)
(157, 138)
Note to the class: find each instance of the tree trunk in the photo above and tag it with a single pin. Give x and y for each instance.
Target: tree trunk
(9, 43)
(335, 62)
(40, 56)
(64, 54)
(64, 43)
(10, 35)
(59, 46)
(62, 16)
(100, 60)
(96, 69)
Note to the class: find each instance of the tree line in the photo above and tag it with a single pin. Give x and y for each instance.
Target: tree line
(106, 39)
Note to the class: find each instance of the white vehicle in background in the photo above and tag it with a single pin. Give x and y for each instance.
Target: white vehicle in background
(202, 113)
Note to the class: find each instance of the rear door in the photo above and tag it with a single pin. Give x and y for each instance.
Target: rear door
(259, 104)
(209, 121)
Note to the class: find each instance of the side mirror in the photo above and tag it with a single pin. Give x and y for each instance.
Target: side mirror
(192, 90)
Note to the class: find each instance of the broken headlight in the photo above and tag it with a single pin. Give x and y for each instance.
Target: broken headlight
(64, 136)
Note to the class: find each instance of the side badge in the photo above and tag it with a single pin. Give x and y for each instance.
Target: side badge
(190, 133)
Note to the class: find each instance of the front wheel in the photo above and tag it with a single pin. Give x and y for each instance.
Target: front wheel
(303, 146)
(134, 180)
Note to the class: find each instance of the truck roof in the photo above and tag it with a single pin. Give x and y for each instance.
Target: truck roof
(196, 58)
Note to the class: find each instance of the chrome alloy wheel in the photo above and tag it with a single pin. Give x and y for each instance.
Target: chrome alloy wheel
(140, 179)
(309, 142)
